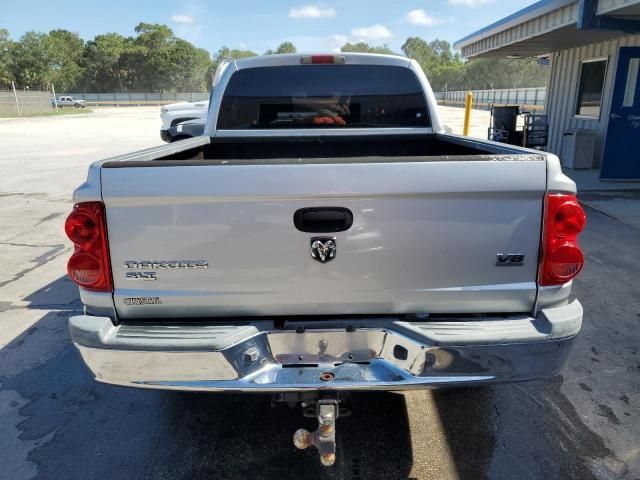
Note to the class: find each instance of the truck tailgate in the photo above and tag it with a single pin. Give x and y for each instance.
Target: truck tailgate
(424, 239)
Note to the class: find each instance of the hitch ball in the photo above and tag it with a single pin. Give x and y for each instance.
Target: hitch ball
(302, 439)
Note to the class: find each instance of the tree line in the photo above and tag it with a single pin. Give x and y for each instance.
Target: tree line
(446, 69)
(156, 60)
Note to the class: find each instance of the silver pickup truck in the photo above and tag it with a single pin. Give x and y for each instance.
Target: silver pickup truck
(325, 236)
(66, 101)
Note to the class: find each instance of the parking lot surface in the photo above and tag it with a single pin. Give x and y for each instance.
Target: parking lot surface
(57, 423)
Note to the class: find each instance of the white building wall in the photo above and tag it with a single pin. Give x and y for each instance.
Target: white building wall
(563, 90)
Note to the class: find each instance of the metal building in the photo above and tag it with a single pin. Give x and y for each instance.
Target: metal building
(593, 92)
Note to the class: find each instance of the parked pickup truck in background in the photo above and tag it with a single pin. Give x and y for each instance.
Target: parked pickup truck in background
(177, 113)
(66, 101)
(325, 236)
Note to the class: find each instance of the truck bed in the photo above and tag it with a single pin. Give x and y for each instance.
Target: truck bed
(321, 149)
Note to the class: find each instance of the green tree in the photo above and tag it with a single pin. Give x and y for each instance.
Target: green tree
(493, 73)
(189, 66)
(6, 46)
(445, 68)
(105, 63)
(64, 51)
(226, 52)
(284, 47)
(436, 58)
(149, 60)
(30, 60)
(363, 47)
(39, 59)
(157, 61)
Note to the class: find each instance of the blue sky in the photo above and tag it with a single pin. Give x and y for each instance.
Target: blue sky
(262, 24)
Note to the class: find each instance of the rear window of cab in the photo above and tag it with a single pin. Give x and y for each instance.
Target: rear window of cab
(323, 96)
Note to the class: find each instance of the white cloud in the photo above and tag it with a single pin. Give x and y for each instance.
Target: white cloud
(372, 33)
(187, 19)
(339, 40)
(313, 44)
(470, 3)
(312, 11)
(335, 42)
(420, 17)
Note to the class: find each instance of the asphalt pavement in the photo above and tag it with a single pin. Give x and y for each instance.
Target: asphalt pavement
(57, 423)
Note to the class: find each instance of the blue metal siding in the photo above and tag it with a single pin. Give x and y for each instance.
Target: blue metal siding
(563, 86)
(532, 11)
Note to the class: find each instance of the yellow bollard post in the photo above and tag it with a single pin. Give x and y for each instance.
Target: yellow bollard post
(467, 113)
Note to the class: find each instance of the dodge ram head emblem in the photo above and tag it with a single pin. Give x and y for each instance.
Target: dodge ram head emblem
(323, 249)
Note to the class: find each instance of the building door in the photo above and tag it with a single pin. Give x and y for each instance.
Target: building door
(621, 160)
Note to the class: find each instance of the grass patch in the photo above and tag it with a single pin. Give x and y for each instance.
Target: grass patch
(53, 113)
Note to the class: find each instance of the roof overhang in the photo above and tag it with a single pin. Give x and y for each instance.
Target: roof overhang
(551, 25)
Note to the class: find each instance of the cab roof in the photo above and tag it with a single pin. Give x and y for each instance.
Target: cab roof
(297, 59)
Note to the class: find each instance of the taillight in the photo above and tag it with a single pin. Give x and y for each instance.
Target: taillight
(88, 267)
(562, 260)
(323, 59)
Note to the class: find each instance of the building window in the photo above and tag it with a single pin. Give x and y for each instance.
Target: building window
(591, 87)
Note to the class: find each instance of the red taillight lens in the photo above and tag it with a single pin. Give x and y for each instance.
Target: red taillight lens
(81, 229)
(565, 262)
(89, 267)
(569, 219)
(562, 259)
(84, 269)
(322, 59)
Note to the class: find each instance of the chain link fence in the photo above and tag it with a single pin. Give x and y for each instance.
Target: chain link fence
(529, 98)
(138, 99)
(26, 101)
(23, 101)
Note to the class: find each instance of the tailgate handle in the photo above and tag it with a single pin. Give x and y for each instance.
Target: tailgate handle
(323, 219)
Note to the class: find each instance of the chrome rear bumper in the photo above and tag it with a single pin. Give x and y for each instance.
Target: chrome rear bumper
(327, 355)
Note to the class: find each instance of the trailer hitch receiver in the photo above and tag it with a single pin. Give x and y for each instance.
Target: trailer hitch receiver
(324, 438)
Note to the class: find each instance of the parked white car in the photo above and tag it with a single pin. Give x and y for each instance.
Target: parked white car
(176, 113)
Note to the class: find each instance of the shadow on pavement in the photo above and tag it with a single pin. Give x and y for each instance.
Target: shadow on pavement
(241, 436)
(61, 294)
(466, 415)
(71, 427)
